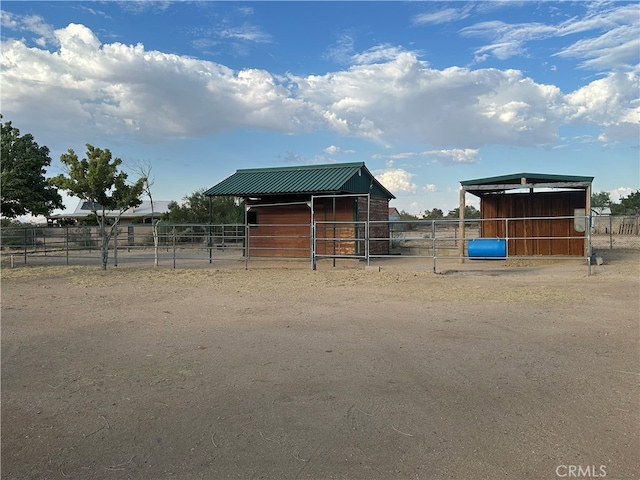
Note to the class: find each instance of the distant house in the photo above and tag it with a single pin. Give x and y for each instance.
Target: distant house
(394, 215)
(600, 211)
(142, 212)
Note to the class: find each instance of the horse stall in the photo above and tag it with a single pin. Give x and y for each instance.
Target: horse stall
(532, 214)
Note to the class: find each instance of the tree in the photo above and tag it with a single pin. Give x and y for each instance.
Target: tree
(96, 179)
(24, 187)
(195, 209)
(404, 215)
(600, 201)
(143, 170)
(631, 203)
(469, 212)
(434, 214)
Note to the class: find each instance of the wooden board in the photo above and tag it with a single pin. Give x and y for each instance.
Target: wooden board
(519, 208)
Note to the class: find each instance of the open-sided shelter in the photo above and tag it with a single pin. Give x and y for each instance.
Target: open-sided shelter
(283, 203)
(524, 217)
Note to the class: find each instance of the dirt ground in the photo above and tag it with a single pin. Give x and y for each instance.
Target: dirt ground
(485, 370)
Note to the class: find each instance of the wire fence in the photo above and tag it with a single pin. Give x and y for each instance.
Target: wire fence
(235, 245)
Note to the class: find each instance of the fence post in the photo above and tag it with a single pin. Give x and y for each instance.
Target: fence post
(433, 243)
(25, 246)
(174, 246)
(246, 246)
(588, 223)
(314, 246)
(210, 241)
(506, 234)
(66, 241)
(610, 232)
(115, 248)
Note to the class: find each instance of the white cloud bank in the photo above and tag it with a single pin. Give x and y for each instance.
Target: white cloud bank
(83, 85)
(397, 180)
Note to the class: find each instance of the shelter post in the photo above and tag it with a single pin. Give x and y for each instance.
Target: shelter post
(461, 231)
(587, 221)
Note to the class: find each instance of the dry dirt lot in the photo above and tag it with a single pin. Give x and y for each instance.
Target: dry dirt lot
(483, 371)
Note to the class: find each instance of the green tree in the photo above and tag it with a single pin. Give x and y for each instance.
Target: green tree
(406, 215)
(630, 205)
(97, 180)
(434, 214)
(195, 209)
(600, 201)
(469, 212)
(23, 184)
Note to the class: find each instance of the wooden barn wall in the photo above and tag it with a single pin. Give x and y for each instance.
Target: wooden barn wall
(344, 233)
(379, 208)
(285, 231)
(544, 204)
(282, 231)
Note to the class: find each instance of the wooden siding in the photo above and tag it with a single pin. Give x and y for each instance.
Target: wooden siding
(524, 206)
(282, 231)
(379, 209)
(345, 242)
(285, 231)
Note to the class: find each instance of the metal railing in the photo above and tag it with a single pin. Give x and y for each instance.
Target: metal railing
(202, 244)
(135, 243)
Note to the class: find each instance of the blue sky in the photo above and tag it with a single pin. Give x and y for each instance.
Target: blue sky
(425, 93)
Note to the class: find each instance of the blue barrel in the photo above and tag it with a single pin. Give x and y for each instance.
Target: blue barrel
(487, 248)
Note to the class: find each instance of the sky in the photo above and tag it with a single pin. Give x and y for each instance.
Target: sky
(427, 94)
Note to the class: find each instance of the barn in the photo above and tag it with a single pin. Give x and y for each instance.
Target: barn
(327, 210)
(537, 214)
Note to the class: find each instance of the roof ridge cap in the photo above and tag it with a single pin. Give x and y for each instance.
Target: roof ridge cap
(302, 167)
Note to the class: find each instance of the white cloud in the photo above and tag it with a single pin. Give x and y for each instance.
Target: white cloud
(397, 181)
(126, 90)
(445, 15)
(617, 193)
(249, 33)
(614, 42)
(508, 39)
(8, 20)
(29, 23)
(430, 187)
(332, 150)
(613, 49)
(141, 6)
(611, 102)
(454, 106)
(379, 53)
(343, 51)
(395, 156)
(453, 156)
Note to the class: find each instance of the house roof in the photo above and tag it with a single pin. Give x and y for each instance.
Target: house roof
(83, 209)
(524, 180)
(333, 178)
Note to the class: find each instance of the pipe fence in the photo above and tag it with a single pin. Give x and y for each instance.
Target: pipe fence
(129, 244)
(190, 245)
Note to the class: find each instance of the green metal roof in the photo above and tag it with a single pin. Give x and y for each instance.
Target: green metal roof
(310, 179)
(516, 178)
